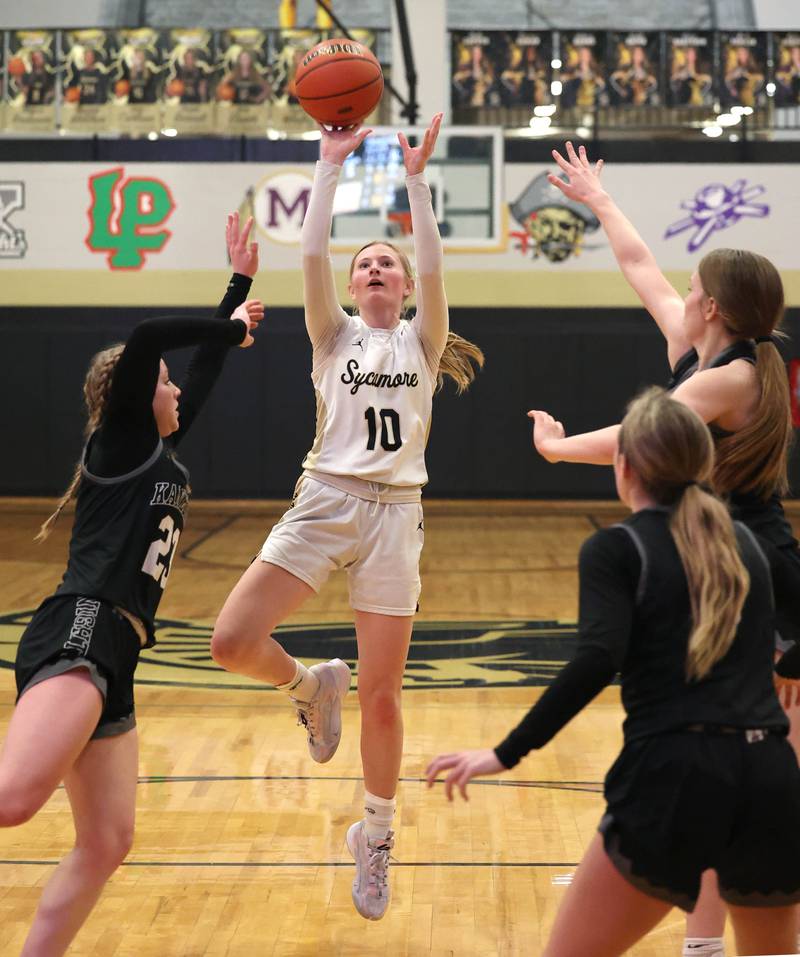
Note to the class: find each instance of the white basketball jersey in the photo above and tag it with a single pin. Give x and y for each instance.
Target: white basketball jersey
(374, 395)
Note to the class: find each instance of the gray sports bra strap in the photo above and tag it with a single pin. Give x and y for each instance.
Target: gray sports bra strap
(639, 544)
(740, 526)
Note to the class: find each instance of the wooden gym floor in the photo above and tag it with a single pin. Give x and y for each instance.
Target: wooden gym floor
(240, 836)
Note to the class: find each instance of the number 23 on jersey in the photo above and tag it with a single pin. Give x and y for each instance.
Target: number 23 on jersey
(159, 556)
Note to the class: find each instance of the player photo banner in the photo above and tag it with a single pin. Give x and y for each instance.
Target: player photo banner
(634, 69)
(139, 80)
(2, 81)
(690, 68)
(88, 65)
(31, 70)
(786, 53)
(743, 66)
(583, 79)
(244, 86)
(289, 48)
(189, 82)
(498, 68)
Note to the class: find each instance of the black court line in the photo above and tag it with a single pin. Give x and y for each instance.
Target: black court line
(303, 864)
(584, 787)
(226, 523)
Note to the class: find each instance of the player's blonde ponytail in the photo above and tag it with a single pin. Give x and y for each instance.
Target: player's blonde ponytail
(460, 357)
(671, 450)
(96, 390)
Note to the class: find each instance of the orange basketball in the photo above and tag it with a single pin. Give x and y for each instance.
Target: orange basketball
(226, 91)
(122, 88)
(175, 88)
(72, 94)
(339, 82)
(16, 66)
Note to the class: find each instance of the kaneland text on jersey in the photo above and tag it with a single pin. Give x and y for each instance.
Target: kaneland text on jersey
(170, 493)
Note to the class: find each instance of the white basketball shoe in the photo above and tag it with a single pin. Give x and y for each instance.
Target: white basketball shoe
(322, 716)
(371, 891)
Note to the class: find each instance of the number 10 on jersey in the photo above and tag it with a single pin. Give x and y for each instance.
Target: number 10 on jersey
(391, 439)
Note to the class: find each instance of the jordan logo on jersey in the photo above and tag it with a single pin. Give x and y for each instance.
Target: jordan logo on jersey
(170, 493)
(359, 343)
(378, 380)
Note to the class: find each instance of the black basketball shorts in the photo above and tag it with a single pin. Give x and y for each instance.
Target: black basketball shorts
(75, 631)
(682, 802)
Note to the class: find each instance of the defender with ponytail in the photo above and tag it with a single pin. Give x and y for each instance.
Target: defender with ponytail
(75, 718)
(677, 600)
(672, 453)
(721, 339)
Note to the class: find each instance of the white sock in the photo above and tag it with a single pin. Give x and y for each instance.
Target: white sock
(303, 686)
(703, 947)
(378, 814)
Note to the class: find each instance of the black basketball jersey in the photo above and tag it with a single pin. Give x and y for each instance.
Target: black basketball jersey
(763, 516)
(126, 533)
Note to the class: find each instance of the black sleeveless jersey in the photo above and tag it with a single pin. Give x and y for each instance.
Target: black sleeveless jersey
(126, 533)
(763, 516)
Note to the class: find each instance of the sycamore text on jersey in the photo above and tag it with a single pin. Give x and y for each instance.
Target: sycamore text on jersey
(379, 380)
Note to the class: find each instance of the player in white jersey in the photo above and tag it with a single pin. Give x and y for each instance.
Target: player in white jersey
(357, 505)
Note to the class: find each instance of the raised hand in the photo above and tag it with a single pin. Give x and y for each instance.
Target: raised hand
(251, 313)
(465, 765)
(243, 254)
(415, 158)
(584, 178)
(546, 432)
(337, 144)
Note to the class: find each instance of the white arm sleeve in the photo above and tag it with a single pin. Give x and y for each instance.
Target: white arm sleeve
(324, 316)
(432, 320)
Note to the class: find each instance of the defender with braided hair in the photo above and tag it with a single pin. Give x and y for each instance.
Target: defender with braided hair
(75, 720)
(677, 600)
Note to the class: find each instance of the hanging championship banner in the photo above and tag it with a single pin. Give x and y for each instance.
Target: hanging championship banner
(88, 64)
(634, 68)
(786, 48)
(243, 91)
(290, 46)
(30, 97)
(690, 68)
(189, 81)
(583, 72)
(743, 59)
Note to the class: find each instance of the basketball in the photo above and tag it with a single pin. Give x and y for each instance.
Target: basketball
(122, 88)
(72, 94)
(226, 92)
(175, 88)
(339, 82)
(16, 66)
